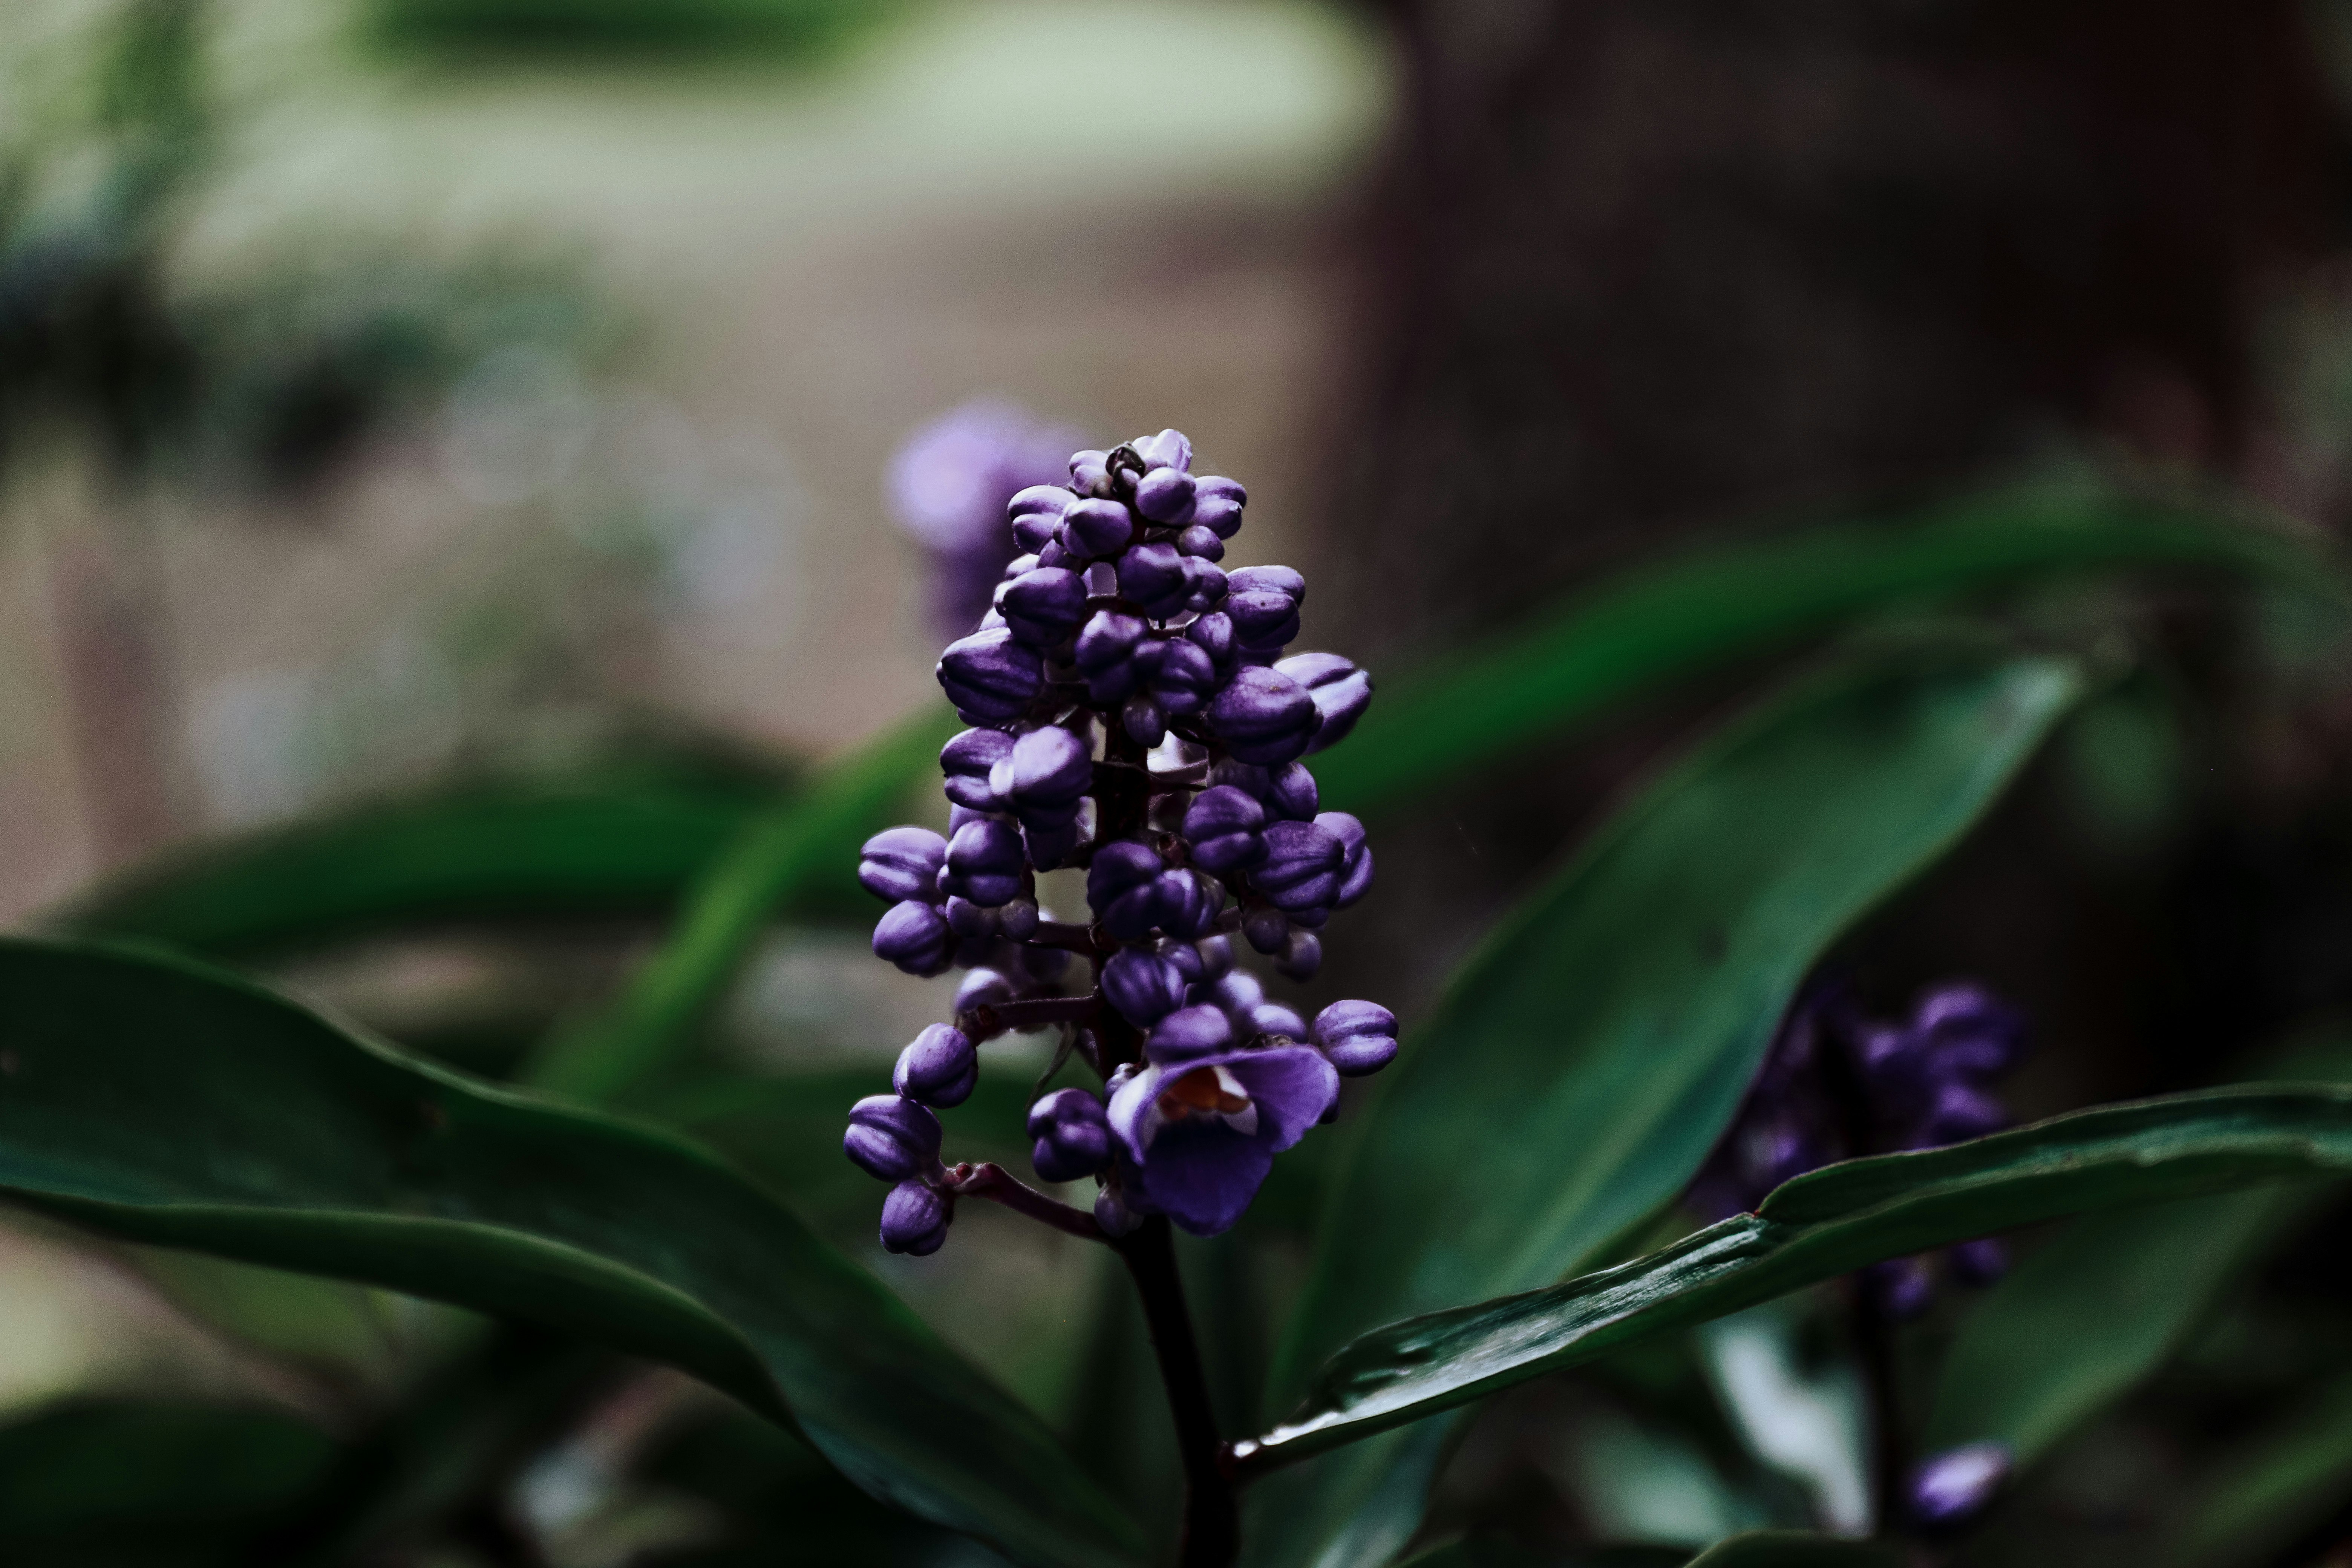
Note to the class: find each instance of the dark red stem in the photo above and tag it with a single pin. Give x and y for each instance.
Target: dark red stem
(998, 1185)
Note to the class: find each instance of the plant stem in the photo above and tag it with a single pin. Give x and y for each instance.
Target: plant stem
(1873, 1330)
(994, 1181)
(1212, 1537)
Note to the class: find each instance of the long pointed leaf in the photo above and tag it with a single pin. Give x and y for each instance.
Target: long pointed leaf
(1821, 1224)
(150, 1098)
(1584, 1063)
(1674, 617)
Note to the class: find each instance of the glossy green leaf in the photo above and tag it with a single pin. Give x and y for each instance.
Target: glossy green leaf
(2285, 1480)
(2106, 1303)
(148, 1099)
(1749, 1549)
(1588, 1056)
(1674, 617)
(613, 838)
(1821, 1224)
(808, 847)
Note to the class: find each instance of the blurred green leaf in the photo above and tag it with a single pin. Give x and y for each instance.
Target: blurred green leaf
(806, 849)
(148, 1099)
(95, 1482)
(2272, 1488)
(623, 837)
(2088, 1316)
(1678, 616)
(1750, 1549)
(1588, 1056)
(1826, 1223)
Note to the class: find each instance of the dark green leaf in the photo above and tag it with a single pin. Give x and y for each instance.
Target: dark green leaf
(2106, 1303)
(152, 1099)
(1827, 1222)
(626, 838)
(1797, 1549)
(1585, 1060)
(1675, 618)
(808, 848)
(2285, 1480)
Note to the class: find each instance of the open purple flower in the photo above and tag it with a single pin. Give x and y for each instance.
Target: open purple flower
(1198, 1135)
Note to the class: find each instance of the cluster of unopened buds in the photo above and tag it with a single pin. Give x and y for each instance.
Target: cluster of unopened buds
(1133, 714)
(1837, 1084)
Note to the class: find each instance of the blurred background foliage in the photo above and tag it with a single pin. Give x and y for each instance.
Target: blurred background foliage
(442, 529)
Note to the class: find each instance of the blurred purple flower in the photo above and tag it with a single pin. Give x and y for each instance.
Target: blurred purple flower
(949, 486)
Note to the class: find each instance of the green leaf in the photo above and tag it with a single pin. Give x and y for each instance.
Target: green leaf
(1797, 1549)
(2086, 1317)
(1675, 618)
(1588, 1056)
(623, 837)
(1821, 1224)
(152, 1099)
(808, 847)
(2276, 1487)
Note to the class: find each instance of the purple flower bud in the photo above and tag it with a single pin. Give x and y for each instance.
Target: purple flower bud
(1264, 717)
(1359, 1037)
(1153, 576)
(900, 863)
(1341, 690)
(1905, 1286)
(984, 863)
(1263, 621)
(1040, 606)
(1073, 1137)
(1268, 931)
(1279, 580)
(1165, 496)
(1043, 776)
(1969, 1031)
(1285, 791)
(1275, 1018)
(1048, 848)
(915, 1219)
(1189, 905)
(1105, 655)
(989, 677)
(1225, 827)
(1949, 1488)
(1041, 500)
(983, 988)
(1212, 634)
(1235, 993)
(1217, 504)
(1185, 957)
(937, 1067)
(1144, 722)
(1053, 554)
(1191, 1032)
(1177, 675)
(1095, 528)
(1204, 586)
(1356, 876)
(1979, 1262)
(1300, 957)
(1202, 543)
(1143, 986)
(966, 760)
(971, 921)
(1124, 885)
(1169, 449)
(891, 1138)
(1089, 458)
(1216, 957)
(1303, 866)
(914, 936)
(1961, 1112)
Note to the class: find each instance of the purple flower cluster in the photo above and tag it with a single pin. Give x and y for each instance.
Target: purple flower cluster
(1837, 1084)
(947, 486)
(1134, 714)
